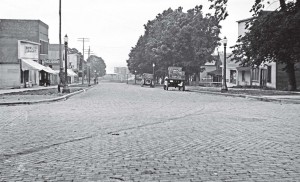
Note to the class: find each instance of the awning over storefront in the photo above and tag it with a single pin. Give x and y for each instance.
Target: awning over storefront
(29, 64)
(217, 72)
(49, 70)
(71, 72)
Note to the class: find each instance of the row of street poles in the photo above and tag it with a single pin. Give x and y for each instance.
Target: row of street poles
(66, 89)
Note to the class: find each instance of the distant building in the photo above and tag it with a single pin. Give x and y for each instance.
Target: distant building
(53, 56)
(211, 74)
(110, 77)
(23, 49)
(122, 73)
(121, 70)
(73, 62)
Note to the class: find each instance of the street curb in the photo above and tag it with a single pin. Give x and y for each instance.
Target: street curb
(65, 97)
(265, 99)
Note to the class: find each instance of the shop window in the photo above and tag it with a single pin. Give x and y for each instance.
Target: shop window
(269, 77)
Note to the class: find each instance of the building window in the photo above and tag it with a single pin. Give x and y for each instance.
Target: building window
(243, 76)
(269, 77)
(255, 74)
(43, 47)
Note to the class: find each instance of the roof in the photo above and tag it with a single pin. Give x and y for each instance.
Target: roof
(229, 62)
(243, 68)
(39, 21)
(213, 63)
(244, 20)
(215, 72)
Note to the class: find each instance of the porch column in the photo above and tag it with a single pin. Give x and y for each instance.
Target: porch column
(237, 78)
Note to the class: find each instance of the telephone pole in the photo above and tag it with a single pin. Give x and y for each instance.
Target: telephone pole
(89, 65)
(60, 53)
(82, 68)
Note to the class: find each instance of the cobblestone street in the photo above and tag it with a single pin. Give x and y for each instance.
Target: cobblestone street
(118, 132)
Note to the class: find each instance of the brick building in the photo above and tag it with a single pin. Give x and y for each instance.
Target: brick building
(23, 41)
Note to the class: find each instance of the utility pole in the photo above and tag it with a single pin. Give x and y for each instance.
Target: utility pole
(82, 68)
(60, 53)
(89, 66)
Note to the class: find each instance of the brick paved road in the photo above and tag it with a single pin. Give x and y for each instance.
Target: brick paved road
(119, 132)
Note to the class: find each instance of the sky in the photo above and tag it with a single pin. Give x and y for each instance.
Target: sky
(113, 26)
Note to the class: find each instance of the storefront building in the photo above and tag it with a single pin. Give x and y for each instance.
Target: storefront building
(23, 47)
(53, 59)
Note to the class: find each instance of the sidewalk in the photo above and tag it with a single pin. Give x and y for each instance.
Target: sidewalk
(30, 95)
(257, 94)
(6, 91)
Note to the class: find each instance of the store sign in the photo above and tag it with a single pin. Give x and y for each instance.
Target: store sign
(28, 50)
(51, 61)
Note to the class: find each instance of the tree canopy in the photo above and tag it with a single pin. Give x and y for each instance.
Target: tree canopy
(177, 38)
(97, 64)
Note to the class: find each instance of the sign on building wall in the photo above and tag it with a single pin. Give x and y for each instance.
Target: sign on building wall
(51, 62)
(28, 50)
(73, 60)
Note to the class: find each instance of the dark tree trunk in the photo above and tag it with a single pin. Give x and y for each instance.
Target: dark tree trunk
(282, 4)
(290, 69)
(298, 4)
(197, 80)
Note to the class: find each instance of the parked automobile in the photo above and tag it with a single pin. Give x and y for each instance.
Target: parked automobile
(147, 79)
(176, 78)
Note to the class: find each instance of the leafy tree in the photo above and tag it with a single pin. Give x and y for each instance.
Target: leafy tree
(72, 50)
(272, 37)
(97, 64)
(176, 38)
